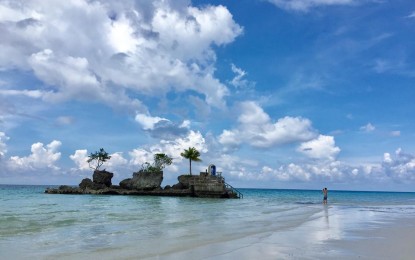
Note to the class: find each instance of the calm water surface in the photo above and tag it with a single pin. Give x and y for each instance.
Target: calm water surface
(46, 226)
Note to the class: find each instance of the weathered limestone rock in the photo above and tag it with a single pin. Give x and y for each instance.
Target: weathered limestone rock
(143, 181)
(126, 184)
(102, 177)
(185, 180)
(101, 180)
(178, 186)
(86, 183)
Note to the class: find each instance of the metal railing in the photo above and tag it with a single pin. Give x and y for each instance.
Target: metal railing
(239, 194)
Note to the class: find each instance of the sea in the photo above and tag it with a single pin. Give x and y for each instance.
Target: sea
(35, 225)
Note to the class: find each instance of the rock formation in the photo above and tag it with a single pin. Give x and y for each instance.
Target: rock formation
(143, 181)
(86, 183)
(100, 180)
(148, 183)
(102, 177)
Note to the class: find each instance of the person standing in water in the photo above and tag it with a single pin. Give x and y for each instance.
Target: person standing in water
(325, 192)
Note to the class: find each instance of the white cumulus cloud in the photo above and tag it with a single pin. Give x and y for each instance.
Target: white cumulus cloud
(322, 172)
(395, 168)
(257, 129)
(323, 147)
(387, 158)
(162, 128)
(172, 148)
(70, 75)
(112, 48)
(41, 157)
(80, 158)
(23, 92)
(147, 121)
(401, 166)
(139, 156)
(175, 147)
(117, 160)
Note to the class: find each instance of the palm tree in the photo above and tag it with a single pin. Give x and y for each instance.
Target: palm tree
(193, 155)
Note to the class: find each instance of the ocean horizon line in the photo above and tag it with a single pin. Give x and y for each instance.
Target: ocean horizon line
(239, 188)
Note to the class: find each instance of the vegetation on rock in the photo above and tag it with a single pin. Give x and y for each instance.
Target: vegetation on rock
(161, 160)
(97, 159)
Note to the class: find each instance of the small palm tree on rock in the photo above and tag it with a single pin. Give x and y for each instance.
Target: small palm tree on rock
(192, 154)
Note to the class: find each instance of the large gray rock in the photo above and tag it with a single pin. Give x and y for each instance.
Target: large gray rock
(185, 180)
(178, 186)
(102, 177)
(126, 184)
(143, 181)
(86, 183)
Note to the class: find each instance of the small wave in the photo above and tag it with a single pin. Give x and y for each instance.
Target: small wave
(307, 203)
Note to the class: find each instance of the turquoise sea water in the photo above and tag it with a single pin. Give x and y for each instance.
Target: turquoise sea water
(36, 225)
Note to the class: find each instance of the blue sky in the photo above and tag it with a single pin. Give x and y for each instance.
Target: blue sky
(276, 94)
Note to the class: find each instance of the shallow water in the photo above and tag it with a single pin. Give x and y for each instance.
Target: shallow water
(38, 225)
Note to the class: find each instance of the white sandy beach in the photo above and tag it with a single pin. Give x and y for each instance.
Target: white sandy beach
(334, 234)
(393, 240)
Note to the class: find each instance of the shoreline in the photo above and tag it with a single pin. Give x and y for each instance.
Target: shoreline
(362, 238)
(328, 235)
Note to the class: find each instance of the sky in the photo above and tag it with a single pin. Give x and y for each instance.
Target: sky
(295, 94)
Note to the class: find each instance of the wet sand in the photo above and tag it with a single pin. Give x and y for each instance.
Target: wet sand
(392, 240)
(332, 234)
